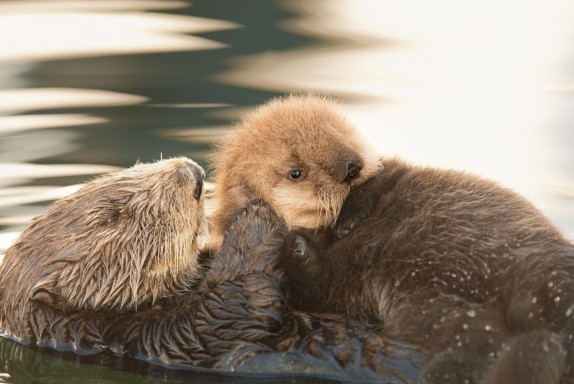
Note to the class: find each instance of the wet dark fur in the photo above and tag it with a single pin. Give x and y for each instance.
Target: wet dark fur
(227, 312)
(235, 319)
(468, 270)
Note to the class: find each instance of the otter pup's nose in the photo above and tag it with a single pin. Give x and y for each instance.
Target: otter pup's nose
(353, 168)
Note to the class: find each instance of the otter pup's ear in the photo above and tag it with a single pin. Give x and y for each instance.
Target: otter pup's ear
(44, 292)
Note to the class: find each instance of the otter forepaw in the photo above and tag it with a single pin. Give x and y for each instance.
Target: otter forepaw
(255, 204)
(301, 251)
(258, 208)
(256, 224)
(343, 229)
(301, 258)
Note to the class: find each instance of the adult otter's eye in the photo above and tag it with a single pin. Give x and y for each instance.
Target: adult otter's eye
(115, 216)
(295, 174)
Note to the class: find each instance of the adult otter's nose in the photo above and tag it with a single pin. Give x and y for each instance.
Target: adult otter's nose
(189, 170)
(197, 173)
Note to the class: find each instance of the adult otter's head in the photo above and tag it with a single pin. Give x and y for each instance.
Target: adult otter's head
(121, 241)
(299, 154)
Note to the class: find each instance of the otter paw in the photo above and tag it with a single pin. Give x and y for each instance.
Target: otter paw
(258, 208)
(301, 251)
(301, 258)
(255, 208)
(254, 223)
(255, 204)
(343, 229)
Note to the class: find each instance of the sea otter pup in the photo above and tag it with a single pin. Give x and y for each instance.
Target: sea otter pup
(116, 268)
(299, 154)
(459, 265)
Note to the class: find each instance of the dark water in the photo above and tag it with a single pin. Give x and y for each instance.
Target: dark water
(90, 86)
(23, 365)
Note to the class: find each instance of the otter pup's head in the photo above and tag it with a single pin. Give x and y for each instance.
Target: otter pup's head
(121, 241)
(299, 154)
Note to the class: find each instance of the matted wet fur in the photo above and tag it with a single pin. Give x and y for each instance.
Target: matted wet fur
(121, 242)
(299, 154)
(115, 268)
(468, 270)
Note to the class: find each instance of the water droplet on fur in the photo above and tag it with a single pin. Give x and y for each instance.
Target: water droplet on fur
(569, 311)
(557, 299)
(471, 313)
(534, 300)
(550, 284)
(465, 326)
(487, 328)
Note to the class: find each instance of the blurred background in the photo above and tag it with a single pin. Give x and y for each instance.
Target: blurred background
(92, 86)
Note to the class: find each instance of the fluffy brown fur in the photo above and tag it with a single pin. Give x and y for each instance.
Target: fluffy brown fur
(304, 133)
(115, 267)
(461, 266)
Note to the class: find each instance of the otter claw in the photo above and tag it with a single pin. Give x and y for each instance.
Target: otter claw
(259, 210)
(301, 260)
(255, 203)
(252, 206)
(345, 228)
(302, 253)
(299, 247)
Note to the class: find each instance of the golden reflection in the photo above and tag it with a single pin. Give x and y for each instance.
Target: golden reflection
(26, 195)
(190, 105)
(18, 173)
(48, 30)
(100, 5)
(11, 124)
(208, 135)
(19, 100)
(26, 99)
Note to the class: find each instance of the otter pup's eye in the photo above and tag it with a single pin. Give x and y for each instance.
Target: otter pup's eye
(295, 174)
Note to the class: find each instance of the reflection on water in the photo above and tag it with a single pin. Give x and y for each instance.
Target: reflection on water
(35, 31)
(46, 30)
(87, 87)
